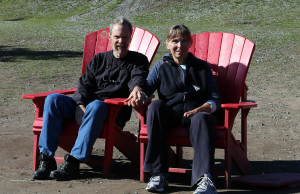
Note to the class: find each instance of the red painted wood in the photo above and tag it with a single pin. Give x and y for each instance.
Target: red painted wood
(136, 39)
(180, 170)
(145, 42)
(229, 56)
(224, 62)
(152, 48)
(237, 49)
(242, 105)
(44, 94)
(89, 50)
(192, 48)
(95, 42)
(245, 60)
(102, 41)
(201, 46)
(214, 46)
(116, 101)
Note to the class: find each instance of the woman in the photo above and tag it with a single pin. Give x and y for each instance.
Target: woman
(188, 95)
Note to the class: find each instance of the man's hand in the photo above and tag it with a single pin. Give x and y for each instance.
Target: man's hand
(204, 108)
(137, 97)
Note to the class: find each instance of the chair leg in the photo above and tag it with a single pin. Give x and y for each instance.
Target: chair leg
(142, 159)
(227, 172)
(36, 152)
(179, 155)
(108, 154)
(228, 162)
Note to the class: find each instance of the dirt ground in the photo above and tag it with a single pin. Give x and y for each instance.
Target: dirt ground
(273, 132)
(271, 150)
(273, 138)
(273, 141)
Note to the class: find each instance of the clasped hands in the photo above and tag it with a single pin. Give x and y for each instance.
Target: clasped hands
(137, 98)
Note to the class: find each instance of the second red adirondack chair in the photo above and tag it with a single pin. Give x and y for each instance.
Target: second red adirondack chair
(229, 57)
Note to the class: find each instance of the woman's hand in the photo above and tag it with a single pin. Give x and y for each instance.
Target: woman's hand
(204, 108)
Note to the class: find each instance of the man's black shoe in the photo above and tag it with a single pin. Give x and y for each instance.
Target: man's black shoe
(47, 164)
(68, 170)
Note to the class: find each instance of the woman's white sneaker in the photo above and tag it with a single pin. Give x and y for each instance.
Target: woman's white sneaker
(158, 183)
(205, 186)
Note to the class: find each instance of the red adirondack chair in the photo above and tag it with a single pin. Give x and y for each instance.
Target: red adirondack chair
(96, 42)
(229, 57)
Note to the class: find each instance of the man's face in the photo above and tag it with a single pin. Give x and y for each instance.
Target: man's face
(120, 38)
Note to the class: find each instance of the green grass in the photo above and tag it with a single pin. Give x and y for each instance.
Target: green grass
(58, 27)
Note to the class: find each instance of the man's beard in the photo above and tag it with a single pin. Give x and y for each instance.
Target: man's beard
(120, 52)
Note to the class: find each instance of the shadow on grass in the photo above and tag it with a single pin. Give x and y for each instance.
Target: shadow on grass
(15, 19)
(12, 54)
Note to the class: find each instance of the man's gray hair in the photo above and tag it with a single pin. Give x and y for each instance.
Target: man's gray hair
(122, 21)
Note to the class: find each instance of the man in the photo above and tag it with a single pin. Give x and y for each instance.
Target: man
(110, 74)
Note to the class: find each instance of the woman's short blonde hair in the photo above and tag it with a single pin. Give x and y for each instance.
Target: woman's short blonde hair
(179, 30)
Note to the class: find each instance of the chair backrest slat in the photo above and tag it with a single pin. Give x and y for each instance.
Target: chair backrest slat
(102, 41)
(152, 48)
(229, 57)
(137, 37)
(142, 41)
(233, 92)
(201, 47)
(214, 46)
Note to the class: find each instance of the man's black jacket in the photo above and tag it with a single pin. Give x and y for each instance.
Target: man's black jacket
(110, 77)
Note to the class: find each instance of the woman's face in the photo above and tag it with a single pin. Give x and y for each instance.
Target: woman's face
(179, 47)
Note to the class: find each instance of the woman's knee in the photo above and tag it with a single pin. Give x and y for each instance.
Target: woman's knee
(202, 121)
(202, 116)
(156, 105)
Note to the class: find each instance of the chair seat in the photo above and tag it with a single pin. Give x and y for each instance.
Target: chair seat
(69, 127)
(180, 136)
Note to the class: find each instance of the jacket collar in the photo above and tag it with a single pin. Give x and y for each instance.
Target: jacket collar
(169, 58)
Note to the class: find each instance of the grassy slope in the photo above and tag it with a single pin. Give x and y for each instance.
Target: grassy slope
(38, 34)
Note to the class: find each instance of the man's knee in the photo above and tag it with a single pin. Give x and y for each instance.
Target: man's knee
(97, 107)
(53, 99)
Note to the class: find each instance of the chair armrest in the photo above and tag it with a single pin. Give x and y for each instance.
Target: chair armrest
(242, 105)
(45, 94)
(39, 99)
(116, 101)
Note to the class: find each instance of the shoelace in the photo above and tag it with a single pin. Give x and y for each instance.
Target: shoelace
(205, 182)
(42, 164)
(65, 166)
(156, 178)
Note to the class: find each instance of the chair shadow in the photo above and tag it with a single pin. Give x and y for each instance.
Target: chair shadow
(260, 168)
(124, 169)
(12, 54)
